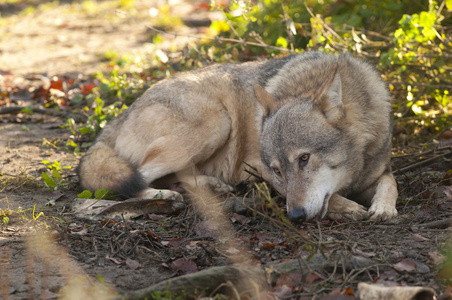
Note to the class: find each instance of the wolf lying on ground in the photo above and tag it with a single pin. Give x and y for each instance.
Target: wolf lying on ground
(316, 126)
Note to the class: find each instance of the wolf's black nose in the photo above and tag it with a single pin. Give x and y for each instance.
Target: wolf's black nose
(297, 215)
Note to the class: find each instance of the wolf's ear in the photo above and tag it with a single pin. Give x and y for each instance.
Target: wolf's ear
(267, 101)
(329, 97)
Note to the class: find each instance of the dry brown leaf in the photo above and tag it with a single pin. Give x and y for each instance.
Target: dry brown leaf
(435, 257)
(186, 266)
(132, 264)
(419, 238)
(405, 265)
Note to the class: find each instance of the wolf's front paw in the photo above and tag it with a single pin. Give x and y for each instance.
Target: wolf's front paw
(353, 211)
(380, 212)
(151, 193)
(217, 186)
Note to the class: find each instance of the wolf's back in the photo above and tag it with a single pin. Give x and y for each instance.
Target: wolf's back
(103, 168)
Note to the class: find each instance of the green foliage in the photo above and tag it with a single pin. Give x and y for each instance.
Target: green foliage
(98, 194)
(26, 215)
(53, 178)
(295, 25)
(419, 72)
(409, 40)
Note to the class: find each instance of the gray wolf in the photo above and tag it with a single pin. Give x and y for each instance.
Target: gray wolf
(316, 126)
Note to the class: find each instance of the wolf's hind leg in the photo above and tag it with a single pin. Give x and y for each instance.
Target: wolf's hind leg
(383, 205)
(342, 208)
(180, 152)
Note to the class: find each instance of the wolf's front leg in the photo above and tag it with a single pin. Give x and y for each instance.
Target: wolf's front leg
(151, 193)
(383, 205)
(342, 208)
(216, 185)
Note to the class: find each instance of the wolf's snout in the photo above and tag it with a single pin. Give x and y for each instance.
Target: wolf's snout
(297, 215)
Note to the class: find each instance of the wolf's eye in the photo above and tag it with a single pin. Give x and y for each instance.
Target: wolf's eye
(277, 172)
(303, 160)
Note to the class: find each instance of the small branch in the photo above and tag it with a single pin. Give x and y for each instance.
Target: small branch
(440, 224)
(241, 278)
(217, 39)
(17, 109)
(432, 86)
(423, 163)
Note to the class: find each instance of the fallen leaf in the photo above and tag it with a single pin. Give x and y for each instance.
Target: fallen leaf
(448, 192)
(187, 266)
(405, 265)
(55, 235)
(282, 291)
(83, 231)
(232, 250)
(289, 279)
(152, 236)
(55, 195)
(419, 238)
(192, 245)
(154, 217)
(312, 277)
(364, 254)
(421, 267)
(132, 264)
(115, 260)
(86, 88)
(389, 275)
(269, 245)
(56, 84)
(338, 297)
(435, 257)
(239, 218)
(396, 254)
(348, 292)
(206, 228)
(203, 6)
(411, 265)
(177, 242)
(46, 294)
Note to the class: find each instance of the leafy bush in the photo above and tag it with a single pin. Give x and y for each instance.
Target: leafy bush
(408, 41)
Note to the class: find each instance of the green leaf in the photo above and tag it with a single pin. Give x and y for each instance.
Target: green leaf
(27, 110)
(71, 143)
(77, 99)
(282, 42)
(48, 181)
(85, 130)
(98, 110)
(101, 194)
(427, 19)
(51, 202)
(85, 194)
(449, 4)
(56, 174)
(159, 195)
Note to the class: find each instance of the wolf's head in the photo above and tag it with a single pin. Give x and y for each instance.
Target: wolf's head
(305, 146)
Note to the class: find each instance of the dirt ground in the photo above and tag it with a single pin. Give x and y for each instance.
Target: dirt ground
(58, 254)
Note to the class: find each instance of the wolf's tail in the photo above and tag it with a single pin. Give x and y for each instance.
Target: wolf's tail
(103, 168)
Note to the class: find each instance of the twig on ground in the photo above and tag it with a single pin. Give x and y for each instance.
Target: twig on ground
(17, 109)
(440, 224)
(423, 163)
